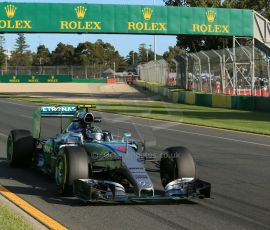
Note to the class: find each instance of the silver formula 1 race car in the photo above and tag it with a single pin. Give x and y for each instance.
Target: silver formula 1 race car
(88, 162)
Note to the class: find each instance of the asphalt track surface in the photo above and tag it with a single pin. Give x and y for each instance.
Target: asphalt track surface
(237, 165)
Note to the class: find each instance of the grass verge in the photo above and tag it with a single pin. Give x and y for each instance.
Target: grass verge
(11, 221)
(246, 121)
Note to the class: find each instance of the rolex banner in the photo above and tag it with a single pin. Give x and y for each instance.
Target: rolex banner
(35, 79)
(123, 19)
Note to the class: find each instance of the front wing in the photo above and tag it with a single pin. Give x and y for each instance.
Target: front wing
(90, 190)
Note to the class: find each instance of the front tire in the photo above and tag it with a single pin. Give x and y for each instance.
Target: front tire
(176, 163)
(20, 148)
(71, 164)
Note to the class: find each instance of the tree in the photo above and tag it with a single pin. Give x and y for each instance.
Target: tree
(21, 45)
(105, 52)
(122, 65)
(146, 54)
(62, 55)
(84, 54)
(172, 53)
(2, 51)
(42, 57)
(18, 59)
(142, 53)
(194, 3)
(132, 58)
(261, 6)
(98, 53)
(21, 56)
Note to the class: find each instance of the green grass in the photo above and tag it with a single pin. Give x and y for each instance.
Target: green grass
(247, 121)
(11, 221)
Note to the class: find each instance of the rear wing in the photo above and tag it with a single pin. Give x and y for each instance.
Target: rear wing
(58, 111)
(62, 111)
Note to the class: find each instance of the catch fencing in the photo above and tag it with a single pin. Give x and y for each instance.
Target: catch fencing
(231, 71)
(154, 71)
(227, 71)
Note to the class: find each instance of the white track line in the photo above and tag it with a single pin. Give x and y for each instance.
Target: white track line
(192, 133)
(3, 135)
(125, 117)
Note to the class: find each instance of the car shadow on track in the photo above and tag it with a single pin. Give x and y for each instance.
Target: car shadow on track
(106, 203)
(30, 184)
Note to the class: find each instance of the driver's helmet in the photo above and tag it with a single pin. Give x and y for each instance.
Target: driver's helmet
(94, 134)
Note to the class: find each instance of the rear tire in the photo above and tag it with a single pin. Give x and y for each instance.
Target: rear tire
(71, 164)
(176, 163)
(20, 148)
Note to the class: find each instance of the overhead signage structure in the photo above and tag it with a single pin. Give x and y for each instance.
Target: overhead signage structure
(123, 19)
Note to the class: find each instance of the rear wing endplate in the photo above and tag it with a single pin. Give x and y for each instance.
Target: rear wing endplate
(62, 111)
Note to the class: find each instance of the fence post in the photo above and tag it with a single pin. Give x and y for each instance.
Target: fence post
(253, 68)
(200, 68)
(186, 70)
(234, 67)
(222, 71)
(85, 71)
(72, 72)
(177, 70)
(209, 71)
(268, 70)
(183, 80)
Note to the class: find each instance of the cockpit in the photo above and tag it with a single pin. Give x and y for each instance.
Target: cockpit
(89, 132)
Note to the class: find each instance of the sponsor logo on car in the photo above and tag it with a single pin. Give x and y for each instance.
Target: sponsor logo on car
(54, 109)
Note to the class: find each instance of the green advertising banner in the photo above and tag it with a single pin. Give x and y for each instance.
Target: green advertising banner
(35, 79)
(123, 19)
